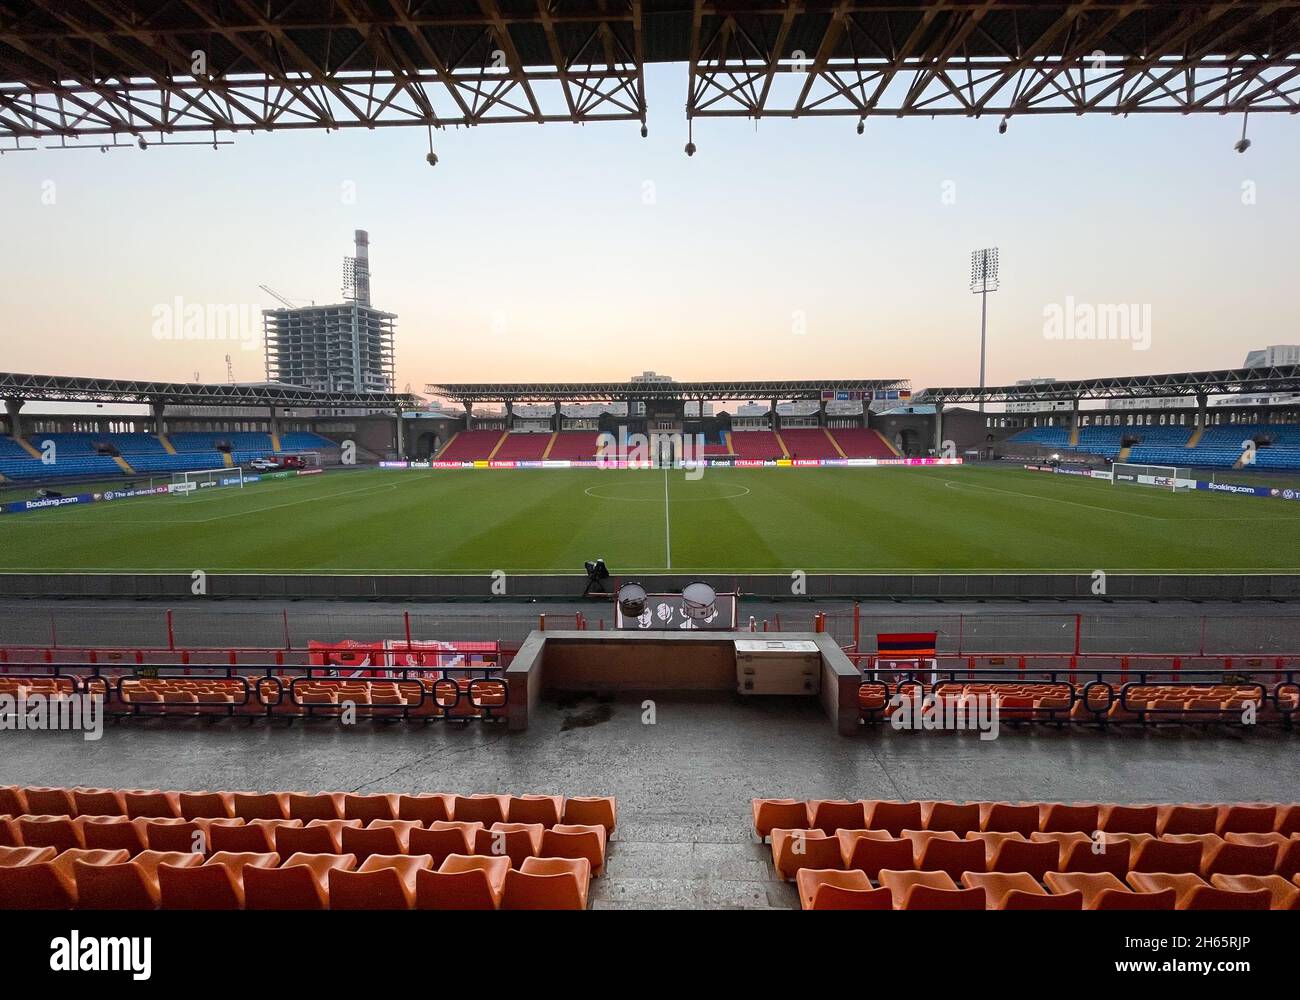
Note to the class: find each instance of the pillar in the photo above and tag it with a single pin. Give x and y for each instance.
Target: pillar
(401, 434)
(776, 420)
(938, 430)
(1074, 420)
(866, 413)
(1202, 409)
(510, 414)
(12, 406)
(469, 416)
(274, 422)
(557, 423)
(821, 414)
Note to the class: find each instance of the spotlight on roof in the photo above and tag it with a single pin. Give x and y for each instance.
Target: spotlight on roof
(1002, 127)
(431, 158)
(1241, 145)
(141, 143)
(644, 131)
(862, 125)
(690, 149)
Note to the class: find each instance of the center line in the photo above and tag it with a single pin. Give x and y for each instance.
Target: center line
(668, 529)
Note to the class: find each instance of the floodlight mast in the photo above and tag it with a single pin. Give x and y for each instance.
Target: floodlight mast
(983, 279)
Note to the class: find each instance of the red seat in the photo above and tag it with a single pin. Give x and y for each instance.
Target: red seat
(837, 890)
(98, 802)
(383, 882)
(485, 809)
(113, 833)
(515, 841)
(257, 836)
(1284, 895)
(14, 856)
(1130, 819)
(1246, 819)
(1193, 893)
(955, 857)
(151, 804)
(319, 836)
(1058, 817)
(829, 815)
(260, 805)
(369, 807)
(961, 819)
(586, 810)
(570, 840)
(1004, 891)
(206, 805)
(301, 883)
(444, 838)
(913, 890)
(382, 836)
(323, 805)
(869, 851)
(50, 802)
(892, 816)
(216, 885)
(1007, 817)
(462, 882)
(795, 849)
(547, 884)
(787, 814)
(1032, 857)
(49, 884)
(1103, 891)
(128, 885)
(1167, 855)
(1188, 819)
(544, 809)
(425, 809)
(59, 832)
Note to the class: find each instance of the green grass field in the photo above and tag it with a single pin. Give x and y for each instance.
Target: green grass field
(882, 520)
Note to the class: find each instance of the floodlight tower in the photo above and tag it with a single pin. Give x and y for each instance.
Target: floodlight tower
(983, 279)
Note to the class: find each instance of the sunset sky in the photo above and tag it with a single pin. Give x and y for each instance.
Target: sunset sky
(781, 250)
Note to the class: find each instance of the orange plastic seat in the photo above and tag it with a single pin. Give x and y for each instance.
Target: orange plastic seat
(59, 832)
(463, 882)
(869, 851)
(98, 802)
(892, 816)
(547, 884)
(913, 890)
(1194, 893)
(13, 801)
(383, 882)
(571, 840)
(954, 856)
(1059, 817)
(186, 836)
(369, 807)
(206, 805)
(319, 836)
(260, 805)
(216, 885)
(11, 857)
(515, 841)
(587, 810)
(1129, 819)
(1080, 853)
(1007, 817)
(1246, 819)
(1286, 860)
(129, 885)
(1033, 857)
(1187, 819)
(544, 809)
(256, 836)
(444, 838)
(961, 819)
(143, 804)
(50, 802)
(50, 884)
(837, 890)
(787, 814)
(382, 836)
(1103, 891)
(1018, 891)
(1166, 854)
(485, 809)
(323, 805)
(424, 808)
(829, 815)
(1221, 857)
(301, 883)
(795, 849)
(113, 833)
(1284, 895)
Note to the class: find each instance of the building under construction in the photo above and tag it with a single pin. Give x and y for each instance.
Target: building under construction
(343, 347)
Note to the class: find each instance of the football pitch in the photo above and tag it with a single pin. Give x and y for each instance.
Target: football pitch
(873, 520)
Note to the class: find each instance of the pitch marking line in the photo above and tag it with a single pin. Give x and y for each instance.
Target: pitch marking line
(668, 528)
(950, 484)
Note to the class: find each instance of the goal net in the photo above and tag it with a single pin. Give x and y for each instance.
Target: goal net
(189, 483)
(1162, 477)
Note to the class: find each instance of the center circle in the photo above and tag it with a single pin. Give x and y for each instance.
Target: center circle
(653, 492)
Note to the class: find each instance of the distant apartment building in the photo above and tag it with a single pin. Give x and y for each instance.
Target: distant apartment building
(342, 347)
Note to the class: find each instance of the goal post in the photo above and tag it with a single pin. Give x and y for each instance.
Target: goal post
(1163, 477)
(193, 480)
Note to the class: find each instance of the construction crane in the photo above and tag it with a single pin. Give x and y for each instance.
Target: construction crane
(289, 303)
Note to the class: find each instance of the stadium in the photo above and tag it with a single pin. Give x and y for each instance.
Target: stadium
(850, 639)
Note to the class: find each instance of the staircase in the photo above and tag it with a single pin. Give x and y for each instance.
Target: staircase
(781, 441)
(167, 445)
(226, 460)
(834, 444)
(1195, 439)
(497, 447)
(549, 445)
(27, 446)
(275, 442)
(121, 464)
(888, 443)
